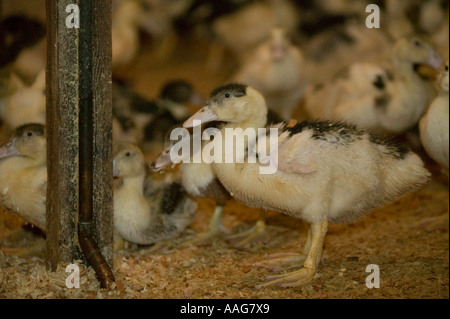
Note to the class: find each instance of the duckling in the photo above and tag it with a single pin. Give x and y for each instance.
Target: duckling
(327, 172)
(125, 32)
(23, 46)
(9, 84)
(199, 181)
(434, 127)
(146, 212)
(131, 112)
(397, 104)
(173, 102)
(152, 16)
(26, 104)
(23, 174)
(275, 68)
(244, 29)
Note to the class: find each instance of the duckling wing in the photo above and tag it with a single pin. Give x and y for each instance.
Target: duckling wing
(293, 160)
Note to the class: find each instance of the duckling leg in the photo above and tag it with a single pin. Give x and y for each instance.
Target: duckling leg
(256, 233)
(215, 228)
(283, 261)
(305, 274)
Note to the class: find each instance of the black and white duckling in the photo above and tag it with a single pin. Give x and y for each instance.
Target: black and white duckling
(23, 174)
(174, 102)
(26, 104)
(276, 69)
(434, 126)
(22, 46)
(395, 105)
(327, 173)
(146, 211)
(138, 120)
(131, 112)
(199, 181)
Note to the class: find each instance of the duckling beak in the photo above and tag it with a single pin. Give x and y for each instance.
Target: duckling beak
(161, 162)
(116, 173)
(435, 60)
(8, 150)
(205, 115)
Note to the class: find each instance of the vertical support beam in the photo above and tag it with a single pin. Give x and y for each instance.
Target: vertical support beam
(102, 108)
(62, 135)
(79, 129)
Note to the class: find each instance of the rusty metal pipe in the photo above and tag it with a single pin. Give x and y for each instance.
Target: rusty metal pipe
(86, 237)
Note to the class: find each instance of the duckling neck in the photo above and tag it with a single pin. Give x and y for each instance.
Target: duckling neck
(135, 183)
(240, 131)
(406, 74)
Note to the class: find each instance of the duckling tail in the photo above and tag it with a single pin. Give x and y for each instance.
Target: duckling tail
(406, 174)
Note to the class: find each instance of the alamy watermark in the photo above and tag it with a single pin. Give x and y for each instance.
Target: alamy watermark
(231, 147)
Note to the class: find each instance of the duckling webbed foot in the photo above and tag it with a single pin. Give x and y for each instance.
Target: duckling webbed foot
(313, 253)
(293, 279)
(279, 262)
(256, 233)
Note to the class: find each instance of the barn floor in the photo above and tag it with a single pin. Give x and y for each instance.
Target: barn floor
(408, 240)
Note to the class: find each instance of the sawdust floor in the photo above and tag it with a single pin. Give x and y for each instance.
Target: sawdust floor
(408, 240)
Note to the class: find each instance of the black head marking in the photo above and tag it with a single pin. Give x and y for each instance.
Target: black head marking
(178, 91)
(227, 91)
(33, 128)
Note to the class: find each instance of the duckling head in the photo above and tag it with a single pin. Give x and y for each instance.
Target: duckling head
(177, 95)
(417, 52)
(443, 77)
(279, 43)
(128, 161)
(232, 103)
(27, 141)
(166, 158)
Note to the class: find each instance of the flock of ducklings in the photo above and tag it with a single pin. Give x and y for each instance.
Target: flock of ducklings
(356, 89)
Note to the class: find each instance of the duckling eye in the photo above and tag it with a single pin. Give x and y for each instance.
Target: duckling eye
(127, 154)
(29, 134)
(227, 95)
(417, 43)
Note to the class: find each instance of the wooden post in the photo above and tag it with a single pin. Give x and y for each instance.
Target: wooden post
(76, 78)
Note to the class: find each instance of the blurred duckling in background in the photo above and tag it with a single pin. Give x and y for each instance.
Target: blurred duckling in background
(23, 178)
(141, 121)
(23, 46)
(275, 68)
(434, 126)
(131, 112)
(147, 211)
(175, 103)
(397, 103)
(155, 17)
(319, 178)
(10, 83)
(26, 105)
(243, 25)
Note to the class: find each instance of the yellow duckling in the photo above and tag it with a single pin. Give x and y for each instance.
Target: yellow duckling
(326, 172)
(145, 211)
